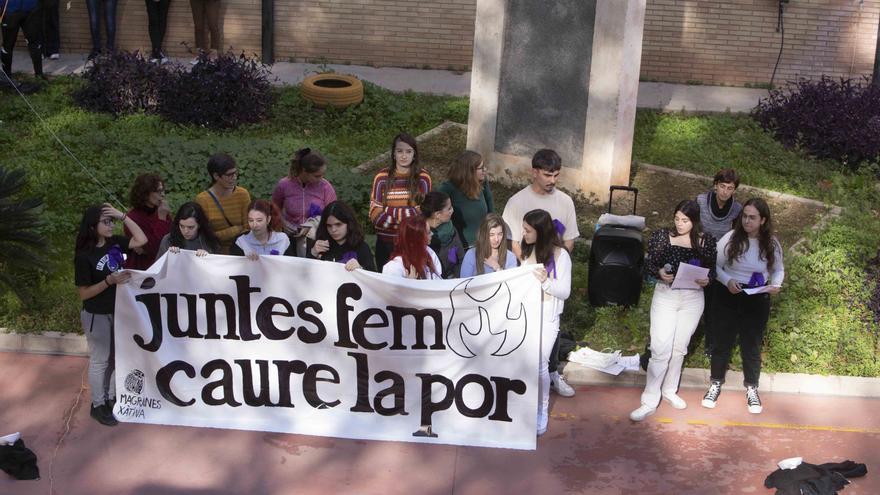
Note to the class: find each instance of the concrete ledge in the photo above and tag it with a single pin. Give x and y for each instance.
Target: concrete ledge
(788, 383)
(385, 157)
(44, 343)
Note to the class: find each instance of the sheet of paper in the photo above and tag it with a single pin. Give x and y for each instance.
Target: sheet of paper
(759, 290)
(687, 274)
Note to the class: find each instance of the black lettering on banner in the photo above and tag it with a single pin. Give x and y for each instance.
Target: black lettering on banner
(266, 312)
(362, 371)
(163, 381)
(152, 303)
(320, 332)
(503, 386)
(243, 290)
(397, 315)
(310, 385)
(211, 301)
(346, 291)
(488, 396)
(397, 389)
(192, 314)
(285, 370)
(224, 383)
(247, 385)
(362, 321)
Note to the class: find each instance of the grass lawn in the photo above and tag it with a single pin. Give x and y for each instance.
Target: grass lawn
(821, 323)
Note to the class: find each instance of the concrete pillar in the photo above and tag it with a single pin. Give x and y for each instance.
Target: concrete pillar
(561, 75)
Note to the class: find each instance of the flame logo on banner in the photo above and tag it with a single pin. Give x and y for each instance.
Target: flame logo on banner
(469, 320)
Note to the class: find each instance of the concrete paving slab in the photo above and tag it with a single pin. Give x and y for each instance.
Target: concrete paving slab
(660, 96)
(590, 448)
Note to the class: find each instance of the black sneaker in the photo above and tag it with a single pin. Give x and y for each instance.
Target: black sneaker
(753, 400)
(712, 394)
(102, 415)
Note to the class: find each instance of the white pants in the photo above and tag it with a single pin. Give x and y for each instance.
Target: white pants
(549, 330)
(675, 314)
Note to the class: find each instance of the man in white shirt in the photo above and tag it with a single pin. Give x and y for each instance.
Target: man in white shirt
(542, 194)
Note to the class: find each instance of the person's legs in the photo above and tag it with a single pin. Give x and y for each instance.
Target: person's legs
(110, 20)
(51, 28)
(754, 322)
(212, 13)
(687, 318)
(94, 27)
(164, 6)
(664, 307)
(198, 13)
(98, 330)
(9, 28)
(33, 32)
(153, 27)
(725, 317)
(549, 331)
(383, 253)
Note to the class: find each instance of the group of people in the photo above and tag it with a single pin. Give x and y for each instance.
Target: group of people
(451, 231)
(39, 21)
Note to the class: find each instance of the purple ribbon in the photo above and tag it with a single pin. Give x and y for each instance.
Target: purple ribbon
(452, 255)
(115, 258)
(695, 262)
(757, 280)
(274, 252)
(551, 266)
(348, 256)
(560, 228)
(314, 210)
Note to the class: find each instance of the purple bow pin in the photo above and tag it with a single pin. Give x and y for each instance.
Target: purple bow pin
(115, 258)
(348, 256)
(274, 252)
(560, 228)
(314, 210)
(452, 255)
(757, 280)
(695, 262)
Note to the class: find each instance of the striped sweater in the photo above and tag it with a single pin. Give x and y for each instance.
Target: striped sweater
(387, 213)
(235, 206)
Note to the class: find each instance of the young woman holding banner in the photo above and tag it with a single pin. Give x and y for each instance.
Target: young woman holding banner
(491, 251)
(98, 269)
(541, 245)
(412, 258)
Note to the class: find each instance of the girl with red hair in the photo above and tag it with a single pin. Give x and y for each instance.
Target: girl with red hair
(264, 236)
(412, 258)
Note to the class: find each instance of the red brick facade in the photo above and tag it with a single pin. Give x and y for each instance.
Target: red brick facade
(709, 41)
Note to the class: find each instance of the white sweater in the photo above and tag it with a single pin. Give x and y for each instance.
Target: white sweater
(395, 267)
(749, 262)
(558, 288)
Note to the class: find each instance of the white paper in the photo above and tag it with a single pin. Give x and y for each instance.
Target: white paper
(687, 275)
(760, 290)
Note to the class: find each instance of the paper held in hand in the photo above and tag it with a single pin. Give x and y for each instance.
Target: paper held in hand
(760, 290)
(687, 275)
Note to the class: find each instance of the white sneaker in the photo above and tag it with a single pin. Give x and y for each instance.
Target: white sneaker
(711, 397)
(675, 401)
(753, 400)
(54, 56)
(642, 412)
(558, 385)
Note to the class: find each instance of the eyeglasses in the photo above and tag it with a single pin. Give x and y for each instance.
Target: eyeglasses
(234, 173)
(159, 191)
(109, 222)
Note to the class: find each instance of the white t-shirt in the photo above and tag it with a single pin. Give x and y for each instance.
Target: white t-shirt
(558, 204)
(395, 267)
(749, 262)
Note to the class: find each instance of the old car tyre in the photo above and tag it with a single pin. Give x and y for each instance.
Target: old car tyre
(336, 90)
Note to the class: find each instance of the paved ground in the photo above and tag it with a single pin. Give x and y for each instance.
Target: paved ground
(663, 96)
(591, 448)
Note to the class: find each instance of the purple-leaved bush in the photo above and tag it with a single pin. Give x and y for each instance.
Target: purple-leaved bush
(221, 93)
(828, 118)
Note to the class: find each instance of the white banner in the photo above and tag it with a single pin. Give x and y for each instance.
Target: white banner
(302, 346)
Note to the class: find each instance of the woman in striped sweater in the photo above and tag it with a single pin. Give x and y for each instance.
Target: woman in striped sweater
(397, 191)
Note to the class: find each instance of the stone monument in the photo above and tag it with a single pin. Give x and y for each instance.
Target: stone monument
(564, 75)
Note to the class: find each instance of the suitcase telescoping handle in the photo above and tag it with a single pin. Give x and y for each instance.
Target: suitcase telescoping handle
(633, 190)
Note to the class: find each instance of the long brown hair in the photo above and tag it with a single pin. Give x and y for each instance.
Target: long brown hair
(484, 247)
(414, 169)
(739, 240)
(463, 173)
(547, 240)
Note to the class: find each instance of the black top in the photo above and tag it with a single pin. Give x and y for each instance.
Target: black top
(341, 253)
(93, 266)
(662, 252)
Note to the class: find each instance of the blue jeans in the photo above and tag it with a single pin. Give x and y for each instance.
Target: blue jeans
(95, 26)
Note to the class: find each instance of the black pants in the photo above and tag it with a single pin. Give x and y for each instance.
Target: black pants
(51, 28)
(383, 253)
(553, 362)
(157, 21)
(743, 316)
(31, 22)
(109, 7)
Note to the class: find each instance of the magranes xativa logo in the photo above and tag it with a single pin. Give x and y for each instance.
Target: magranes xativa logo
(133, 404)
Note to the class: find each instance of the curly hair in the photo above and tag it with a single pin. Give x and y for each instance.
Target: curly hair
(143, 185)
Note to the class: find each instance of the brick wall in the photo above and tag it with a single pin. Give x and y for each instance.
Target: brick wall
(710, 41)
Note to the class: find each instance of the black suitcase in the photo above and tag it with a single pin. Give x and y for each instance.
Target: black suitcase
(617, 257)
